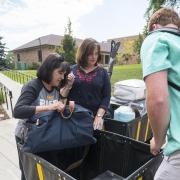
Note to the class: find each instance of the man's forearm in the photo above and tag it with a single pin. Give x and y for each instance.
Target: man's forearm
(158, 105)
(159, 115)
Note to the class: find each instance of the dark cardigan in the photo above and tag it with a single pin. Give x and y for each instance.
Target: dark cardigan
(91, 90)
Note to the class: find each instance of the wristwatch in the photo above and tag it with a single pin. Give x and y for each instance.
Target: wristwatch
(99, 115)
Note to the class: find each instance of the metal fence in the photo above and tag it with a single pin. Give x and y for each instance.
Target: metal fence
(20, 77)
(6, 97)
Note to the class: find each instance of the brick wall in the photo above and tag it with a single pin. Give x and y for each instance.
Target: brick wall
(30, 56)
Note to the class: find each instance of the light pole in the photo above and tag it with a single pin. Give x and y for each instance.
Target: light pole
(40, 50)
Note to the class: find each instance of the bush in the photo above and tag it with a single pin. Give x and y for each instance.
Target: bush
(33, 66)
(1, 98)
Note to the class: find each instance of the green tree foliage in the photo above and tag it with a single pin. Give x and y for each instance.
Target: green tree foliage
(33, 66)
(154, 5)
(127, 52)
(68, 45)
(137, 46)
(2, 52)
(127, 47)
(59, 49)
(10, 60)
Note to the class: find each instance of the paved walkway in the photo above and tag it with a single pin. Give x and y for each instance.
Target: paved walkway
(9, 168)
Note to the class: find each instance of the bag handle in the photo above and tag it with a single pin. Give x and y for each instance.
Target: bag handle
(71, 109)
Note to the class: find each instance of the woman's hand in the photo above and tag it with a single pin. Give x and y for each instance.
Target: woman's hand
(70, 80)
(65, 90)
(98, 123)
(59, 106)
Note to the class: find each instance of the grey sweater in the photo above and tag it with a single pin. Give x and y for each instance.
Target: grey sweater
(33, 94)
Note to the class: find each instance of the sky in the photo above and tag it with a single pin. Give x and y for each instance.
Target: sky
(24, 20)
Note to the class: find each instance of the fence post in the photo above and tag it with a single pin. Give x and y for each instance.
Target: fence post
(10, 98)
(2, 94)
(6, 97)
(23, 80)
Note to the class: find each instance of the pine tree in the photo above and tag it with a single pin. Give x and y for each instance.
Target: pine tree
(10, 60)
(68, 46)
(2, 52)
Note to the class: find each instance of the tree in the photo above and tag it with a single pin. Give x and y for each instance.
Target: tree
(127, 52)
(154, 5)
(137, 46)
(68, 45)
(9, 62)
(59, 49)
(2, 52)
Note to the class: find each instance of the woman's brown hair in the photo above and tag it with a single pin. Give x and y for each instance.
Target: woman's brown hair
(87, 47)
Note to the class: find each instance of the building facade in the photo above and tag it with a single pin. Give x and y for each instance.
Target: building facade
(36, 51)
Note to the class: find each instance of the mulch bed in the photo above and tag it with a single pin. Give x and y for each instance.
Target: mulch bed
(3, 114)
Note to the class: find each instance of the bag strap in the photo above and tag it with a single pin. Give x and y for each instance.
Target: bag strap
(174, 85)
(79, 162)
(71, 109)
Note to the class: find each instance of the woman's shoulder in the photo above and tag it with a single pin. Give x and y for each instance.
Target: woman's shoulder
(102, 69)
(33, 84)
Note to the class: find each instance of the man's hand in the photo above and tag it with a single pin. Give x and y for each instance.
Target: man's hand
(155, 147)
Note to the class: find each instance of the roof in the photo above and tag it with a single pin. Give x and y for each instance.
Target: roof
(50, 39)
(123, 38)
(55, 40)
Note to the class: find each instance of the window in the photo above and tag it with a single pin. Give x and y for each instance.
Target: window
(106, 59)
(102, 59)
(39, 56)
(18, 57)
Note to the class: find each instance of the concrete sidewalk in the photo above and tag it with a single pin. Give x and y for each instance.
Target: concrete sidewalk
(9, 167)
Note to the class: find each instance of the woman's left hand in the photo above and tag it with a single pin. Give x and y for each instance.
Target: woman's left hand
(98, 123)
(70, 81)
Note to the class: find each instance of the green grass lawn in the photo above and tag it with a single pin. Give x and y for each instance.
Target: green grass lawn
(20, 76)
(29, 72)
(120, 72)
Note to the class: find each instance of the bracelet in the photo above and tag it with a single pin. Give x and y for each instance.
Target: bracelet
(62, 97)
